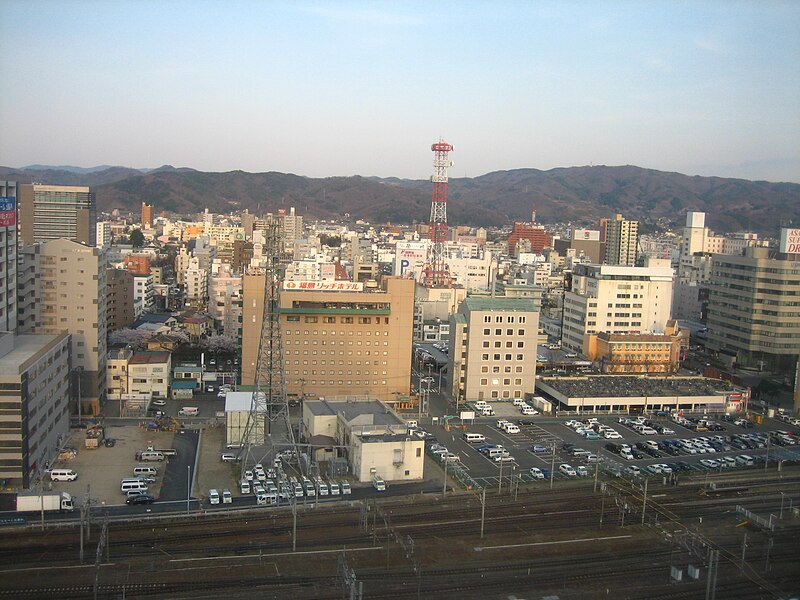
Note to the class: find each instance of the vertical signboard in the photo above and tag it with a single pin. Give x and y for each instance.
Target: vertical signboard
(8, 211)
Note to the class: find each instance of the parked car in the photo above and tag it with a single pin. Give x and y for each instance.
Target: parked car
(229, 458)
(140, 499)
(536, 473)
(539, 448)
(159, 402)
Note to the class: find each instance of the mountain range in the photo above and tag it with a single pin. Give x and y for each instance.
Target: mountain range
(579, 195)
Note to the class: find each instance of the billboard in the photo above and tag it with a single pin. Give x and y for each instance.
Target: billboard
(790, 241)
(8, 211)
(410, 256)
(324, 286)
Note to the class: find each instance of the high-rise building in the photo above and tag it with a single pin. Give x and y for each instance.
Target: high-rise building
(72, 296)
(616, 299)
(493, 348)
(8, 259)
(51, 212)
(622, 238)
(292, 230)
(753, 308)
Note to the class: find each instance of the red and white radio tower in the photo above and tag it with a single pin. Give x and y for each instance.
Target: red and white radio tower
(437, 272)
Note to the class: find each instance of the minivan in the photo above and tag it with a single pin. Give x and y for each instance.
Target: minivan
(744, 460)
(189, 411)
(474, 438)
(144, 470)
(63, 475)
(567, 470)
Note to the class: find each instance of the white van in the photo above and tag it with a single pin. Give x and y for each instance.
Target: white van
(151, 455)
(512, 428)
(133, 486)
(189, 411)
(145, 470)
(378, 483)
(346, 491)
(743, 460)
(567, 470)
(481, 404)
(493, 453)
(63, 475)
(474, 438)
(213, 496)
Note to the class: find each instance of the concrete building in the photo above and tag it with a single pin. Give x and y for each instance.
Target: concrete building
(370, 435)
(292, 229)
(536, 235)
(143, 295)
(196, 285)
(338, 338)
(616, 299)
(119, 299)
(103, 236)
(50, 212)
(493, 348)
(626, 393)
(753, 316)
(72, 295)
(35, 391)
(149, 374)
(225, 301)
(622, 238)
(147, 215)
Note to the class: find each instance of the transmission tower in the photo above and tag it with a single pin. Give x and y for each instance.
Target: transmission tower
(268, 424)
(436, 272)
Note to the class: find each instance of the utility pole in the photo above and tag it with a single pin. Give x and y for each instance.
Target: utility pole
(596, 471)
(644, 500)
(744, 548)
(500, 482)
(483, 509)
(552, 465)
(766, 456)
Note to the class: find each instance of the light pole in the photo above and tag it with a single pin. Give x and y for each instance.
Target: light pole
(188, 486)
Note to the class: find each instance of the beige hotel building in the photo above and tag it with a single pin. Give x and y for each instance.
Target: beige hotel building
(347, 340)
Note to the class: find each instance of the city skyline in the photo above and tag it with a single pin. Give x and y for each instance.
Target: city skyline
(355, 88)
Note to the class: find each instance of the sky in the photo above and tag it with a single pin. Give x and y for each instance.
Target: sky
(364, 88)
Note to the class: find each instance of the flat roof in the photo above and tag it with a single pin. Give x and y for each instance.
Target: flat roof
(146, 358)
(503, 304)
(624, 386)
(356, 412)
(25, 348)
(238, 401)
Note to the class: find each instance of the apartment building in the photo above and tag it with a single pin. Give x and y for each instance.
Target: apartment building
(73, 299)
(493, 348)
(8, 256)
(622, 238)
(753, 314)
(119, 299)
(616, 299)
(339, 339)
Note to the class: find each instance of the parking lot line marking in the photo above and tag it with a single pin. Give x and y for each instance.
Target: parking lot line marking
(575, 541)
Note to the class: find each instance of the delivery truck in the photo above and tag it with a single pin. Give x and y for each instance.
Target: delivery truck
(50, 502)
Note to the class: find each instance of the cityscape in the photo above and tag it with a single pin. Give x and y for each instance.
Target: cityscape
(516, 380)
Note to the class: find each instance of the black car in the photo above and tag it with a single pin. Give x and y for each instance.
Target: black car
(567, 446)
(140, 499)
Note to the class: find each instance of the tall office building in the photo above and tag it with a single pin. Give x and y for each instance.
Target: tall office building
(51, 212)
(622, 239)
(8, 258)
(752, 308)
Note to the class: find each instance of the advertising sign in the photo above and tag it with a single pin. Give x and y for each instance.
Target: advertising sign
(790, 241)
(8, 211)
(324, 286)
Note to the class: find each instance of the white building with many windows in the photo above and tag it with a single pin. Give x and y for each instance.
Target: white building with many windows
(616, 299)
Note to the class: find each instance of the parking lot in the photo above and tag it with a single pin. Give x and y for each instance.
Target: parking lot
(547, 444)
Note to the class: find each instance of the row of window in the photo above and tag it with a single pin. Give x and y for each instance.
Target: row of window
(488, 331)
(506, 381)
(339, 381)
(343, 320)
(325, 332)
(508, 319)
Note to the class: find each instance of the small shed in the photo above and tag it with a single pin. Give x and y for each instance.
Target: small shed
(183, 389)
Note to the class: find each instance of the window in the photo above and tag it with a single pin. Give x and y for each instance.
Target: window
(365, 320)
(487, 331)
(329, 320)
(484, 381)
(485, 356)
(508, 357)
(498, 332)
(293, 319)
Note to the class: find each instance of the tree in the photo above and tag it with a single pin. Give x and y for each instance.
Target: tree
(136, 338)
(219, 343)
(137, 238)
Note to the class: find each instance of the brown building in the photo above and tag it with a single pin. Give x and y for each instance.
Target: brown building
(137, 264)
(51, 212)
(536, 234)
(336, 343)
(119, 299)
(147, 215)
(638, 353)
(242, 255)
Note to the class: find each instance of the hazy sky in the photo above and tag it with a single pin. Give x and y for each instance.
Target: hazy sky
(344, 88)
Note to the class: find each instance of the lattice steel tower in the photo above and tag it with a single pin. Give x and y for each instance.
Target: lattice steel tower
(268, 423)
(437, 272)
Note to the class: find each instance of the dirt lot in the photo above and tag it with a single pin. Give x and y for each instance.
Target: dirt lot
(100, 470)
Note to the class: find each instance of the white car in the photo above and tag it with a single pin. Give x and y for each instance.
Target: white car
(518, 402)
(159, 402)
(567, 470)
(227, 498)
(709, 463)
(213, 496)
(582, 471)
(536, 473)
